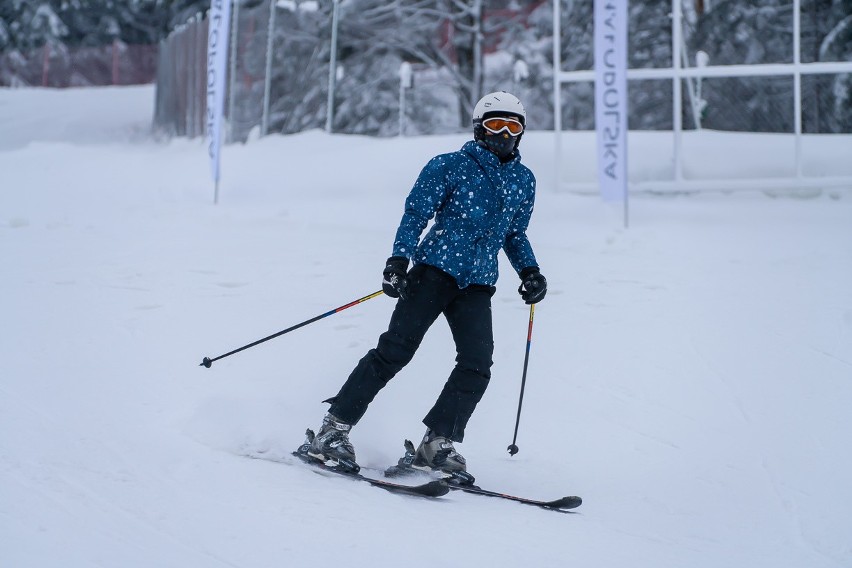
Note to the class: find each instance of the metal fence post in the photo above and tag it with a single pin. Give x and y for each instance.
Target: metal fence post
(232, 79)
(267, 85)
(332, 68)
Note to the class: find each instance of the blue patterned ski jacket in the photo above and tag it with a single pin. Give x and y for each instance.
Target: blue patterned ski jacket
(480, 206)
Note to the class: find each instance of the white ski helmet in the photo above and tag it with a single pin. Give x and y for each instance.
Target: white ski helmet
(499, 102)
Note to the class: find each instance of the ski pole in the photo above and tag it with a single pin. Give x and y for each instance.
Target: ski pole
(207, 361)
(513, 448)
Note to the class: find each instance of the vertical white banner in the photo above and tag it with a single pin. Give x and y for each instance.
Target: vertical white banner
(611, 97)
(217, 63)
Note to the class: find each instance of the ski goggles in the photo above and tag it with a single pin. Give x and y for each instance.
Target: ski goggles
(498, 124)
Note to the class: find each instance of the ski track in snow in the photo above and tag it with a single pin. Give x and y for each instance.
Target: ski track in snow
(688, 376)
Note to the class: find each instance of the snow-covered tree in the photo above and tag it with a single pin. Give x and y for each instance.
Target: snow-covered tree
(29, 24)
(36, 23)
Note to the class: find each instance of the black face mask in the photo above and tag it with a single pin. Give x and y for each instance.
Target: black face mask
(501, 144)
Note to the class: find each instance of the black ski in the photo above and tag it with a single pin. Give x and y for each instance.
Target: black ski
(433, 488)
(464, 481)
(563, 504)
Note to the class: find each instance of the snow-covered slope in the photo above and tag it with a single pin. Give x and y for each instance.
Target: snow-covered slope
(690, 377)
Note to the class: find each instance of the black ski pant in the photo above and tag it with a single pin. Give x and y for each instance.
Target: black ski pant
(431, 292)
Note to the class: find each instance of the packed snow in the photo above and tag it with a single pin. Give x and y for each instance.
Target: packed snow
(690, 376)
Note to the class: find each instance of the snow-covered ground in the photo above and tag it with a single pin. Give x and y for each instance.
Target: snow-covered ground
(690, 377)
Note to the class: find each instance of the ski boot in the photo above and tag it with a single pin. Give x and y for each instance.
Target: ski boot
(332, 446)
(435, 454)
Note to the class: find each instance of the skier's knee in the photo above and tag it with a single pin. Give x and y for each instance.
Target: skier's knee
(469, 381)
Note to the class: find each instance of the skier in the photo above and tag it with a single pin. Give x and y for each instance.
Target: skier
(481, 198)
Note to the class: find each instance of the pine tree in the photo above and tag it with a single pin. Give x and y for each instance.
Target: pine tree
(36, 23)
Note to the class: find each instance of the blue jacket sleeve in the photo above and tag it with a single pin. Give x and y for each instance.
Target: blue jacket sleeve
(517, 245)
(426, 197)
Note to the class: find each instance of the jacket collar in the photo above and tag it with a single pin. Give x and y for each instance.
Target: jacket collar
(486, 157)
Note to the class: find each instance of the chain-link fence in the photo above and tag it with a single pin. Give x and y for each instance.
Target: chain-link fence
(280, 83)
(747, 34)
(181, 81)
(61, 66)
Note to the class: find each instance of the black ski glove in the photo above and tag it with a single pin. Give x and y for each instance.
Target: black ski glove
(394, 283)
(533, 285)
